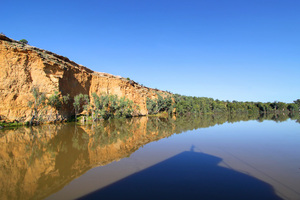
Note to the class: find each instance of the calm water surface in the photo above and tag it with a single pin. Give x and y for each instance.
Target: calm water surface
(195, 157)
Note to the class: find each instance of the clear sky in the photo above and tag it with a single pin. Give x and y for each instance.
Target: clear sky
(244, 50)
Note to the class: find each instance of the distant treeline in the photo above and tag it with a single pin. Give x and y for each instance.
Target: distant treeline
(180, 105)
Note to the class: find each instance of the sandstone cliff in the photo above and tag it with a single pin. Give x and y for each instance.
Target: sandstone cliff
(24, 66)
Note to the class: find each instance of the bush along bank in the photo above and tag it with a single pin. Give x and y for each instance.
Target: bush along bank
(106, 106)
(181, 105)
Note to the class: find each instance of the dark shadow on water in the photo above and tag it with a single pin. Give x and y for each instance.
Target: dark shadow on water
(188, 175)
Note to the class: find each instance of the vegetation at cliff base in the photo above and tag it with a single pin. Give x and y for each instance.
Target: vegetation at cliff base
(57, 101)
(37, 105)
(108, 106)
(80, 101)
(160, 104)
(104, 106)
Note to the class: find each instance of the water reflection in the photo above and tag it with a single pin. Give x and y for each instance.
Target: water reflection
(39, 161)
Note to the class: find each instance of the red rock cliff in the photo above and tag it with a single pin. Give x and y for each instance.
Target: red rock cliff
(24, 66)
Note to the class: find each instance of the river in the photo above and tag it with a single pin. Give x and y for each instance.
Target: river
(203, 157)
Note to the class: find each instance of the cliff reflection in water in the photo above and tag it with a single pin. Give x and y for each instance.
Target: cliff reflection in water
(36, 162)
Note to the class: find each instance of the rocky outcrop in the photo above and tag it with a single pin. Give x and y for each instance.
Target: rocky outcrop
(24, 66)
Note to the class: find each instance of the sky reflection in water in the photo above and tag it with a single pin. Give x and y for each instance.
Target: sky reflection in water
(60, 161)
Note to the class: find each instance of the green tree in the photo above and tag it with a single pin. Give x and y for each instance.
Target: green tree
(95, 112)
(160, 104)
(293, 107)
(56, 101)
(297, 102)
(37, 105)
(79, 101)
(110, 106)
(24, 41)
(125, 108)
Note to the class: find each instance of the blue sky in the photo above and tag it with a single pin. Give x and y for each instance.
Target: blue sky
(244, 50)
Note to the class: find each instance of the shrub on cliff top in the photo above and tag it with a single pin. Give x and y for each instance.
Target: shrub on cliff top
(24, 41)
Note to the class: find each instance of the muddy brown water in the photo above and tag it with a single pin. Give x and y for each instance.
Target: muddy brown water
(193, 157)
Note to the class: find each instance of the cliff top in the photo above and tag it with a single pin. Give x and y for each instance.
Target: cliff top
(48, 55)
(24, 67)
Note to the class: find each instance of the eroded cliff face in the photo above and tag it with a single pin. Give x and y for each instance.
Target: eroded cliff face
(23, 67)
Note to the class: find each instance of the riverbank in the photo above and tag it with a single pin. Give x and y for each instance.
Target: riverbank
(80, 120)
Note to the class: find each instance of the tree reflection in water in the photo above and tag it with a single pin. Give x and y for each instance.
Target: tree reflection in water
(38, 161)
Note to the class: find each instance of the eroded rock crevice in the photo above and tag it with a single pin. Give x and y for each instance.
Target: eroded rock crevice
(24, 66)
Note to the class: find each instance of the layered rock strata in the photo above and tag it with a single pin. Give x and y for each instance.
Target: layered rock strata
(24, 66)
